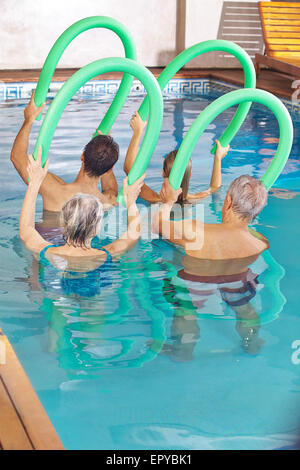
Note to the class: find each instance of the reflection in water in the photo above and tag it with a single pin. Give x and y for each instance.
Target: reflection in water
(206, 288)
(98, 322)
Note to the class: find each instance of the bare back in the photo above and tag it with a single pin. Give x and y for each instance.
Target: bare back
(223, 242)
(55, 192)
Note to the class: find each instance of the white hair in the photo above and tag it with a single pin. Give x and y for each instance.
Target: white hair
(249, 196)
(81, 217)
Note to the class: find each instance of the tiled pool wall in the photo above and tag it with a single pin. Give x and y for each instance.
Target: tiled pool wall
(174, 88)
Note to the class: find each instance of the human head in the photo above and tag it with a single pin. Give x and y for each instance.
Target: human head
(100, 155)
(246, 197)
(81, 217)
(168, 164)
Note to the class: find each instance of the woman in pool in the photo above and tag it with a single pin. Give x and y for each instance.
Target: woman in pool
(81, 220)
(152, 196)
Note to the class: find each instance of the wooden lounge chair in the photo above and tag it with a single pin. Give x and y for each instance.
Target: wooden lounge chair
(281, 29)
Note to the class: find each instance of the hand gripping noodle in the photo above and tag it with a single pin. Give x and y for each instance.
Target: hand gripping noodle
(217, 107)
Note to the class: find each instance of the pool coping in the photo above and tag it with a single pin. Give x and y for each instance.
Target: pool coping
(24, 423)
(182, 84)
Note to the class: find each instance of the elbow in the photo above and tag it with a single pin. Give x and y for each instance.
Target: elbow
(13, 158)
(126, 169)
(24, 233)
(27, 240)
(214, 189)
(23, 236)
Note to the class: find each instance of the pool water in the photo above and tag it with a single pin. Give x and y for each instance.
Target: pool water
(135, 365)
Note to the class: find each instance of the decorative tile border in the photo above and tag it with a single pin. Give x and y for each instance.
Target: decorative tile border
(16, 91)
(106, 88)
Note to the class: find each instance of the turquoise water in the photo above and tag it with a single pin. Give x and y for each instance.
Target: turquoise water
(96, 362)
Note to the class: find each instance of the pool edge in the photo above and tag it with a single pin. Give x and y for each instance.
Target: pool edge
(24, 424)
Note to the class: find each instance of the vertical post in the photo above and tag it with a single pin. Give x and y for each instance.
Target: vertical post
(180, 25)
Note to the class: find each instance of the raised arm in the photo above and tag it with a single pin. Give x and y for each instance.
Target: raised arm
(138, 125)
(178, 232)
(129, 238)
(216, 176)
(20, 147)
(28, 233)
(51, 183)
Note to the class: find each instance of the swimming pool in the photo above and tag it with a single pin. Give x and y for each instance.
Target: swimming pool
(94, 361)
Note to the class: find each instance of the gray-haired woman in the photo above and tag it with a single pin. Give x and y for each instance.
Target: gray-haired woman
(81, 219)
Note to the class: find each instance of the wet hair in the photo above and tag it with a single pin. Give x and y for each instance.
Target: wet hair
(249, 196)
(168, 164)
(100, 155)
(81, 217)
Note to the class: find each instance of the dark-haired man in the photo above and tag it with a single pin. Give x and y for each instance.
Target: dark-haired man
(98, 159)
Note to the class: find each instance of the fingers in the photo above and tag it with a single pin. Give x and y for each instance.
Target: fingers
(46, 166)
(141, 178)
(125, 184)
(30, 159)
(38, 160)
(39, 154)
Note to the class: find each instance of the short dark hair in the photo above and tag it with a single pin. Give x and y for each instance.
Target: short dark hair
(100, 155)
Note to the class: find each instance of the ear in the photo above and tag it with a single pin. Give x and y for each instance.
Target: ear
(82, 156)
(163, 174)
(228, 202)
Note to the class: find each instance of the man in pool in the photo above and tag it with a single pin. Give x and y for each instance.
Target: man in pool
(97, 162)
(216, 264)
(231, 239)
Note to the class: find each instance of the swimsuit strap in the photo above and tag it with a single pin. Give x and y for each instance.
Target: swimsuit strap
(43, 258)
(109, 257)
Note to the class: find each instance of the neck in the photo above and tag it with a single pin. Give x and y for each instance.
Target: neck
(85, 180)
(232, 220)
(77, 250)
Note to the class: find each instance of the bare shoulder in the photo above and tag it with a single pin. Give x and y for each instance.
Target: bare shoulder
(259, 236)
(52, 179)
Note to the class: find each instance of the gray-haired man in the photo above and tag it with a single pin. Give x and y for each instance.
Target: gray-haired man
(230, 239)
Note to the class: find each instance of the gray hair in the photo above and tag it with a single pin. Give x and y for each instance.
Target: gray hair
(81, 216)
(249, 196)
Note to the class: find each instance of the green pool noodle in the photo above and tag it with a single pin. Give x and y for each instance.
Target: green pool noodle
(233, 98)
(196, 50)
(62, 43)
(112, 64)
